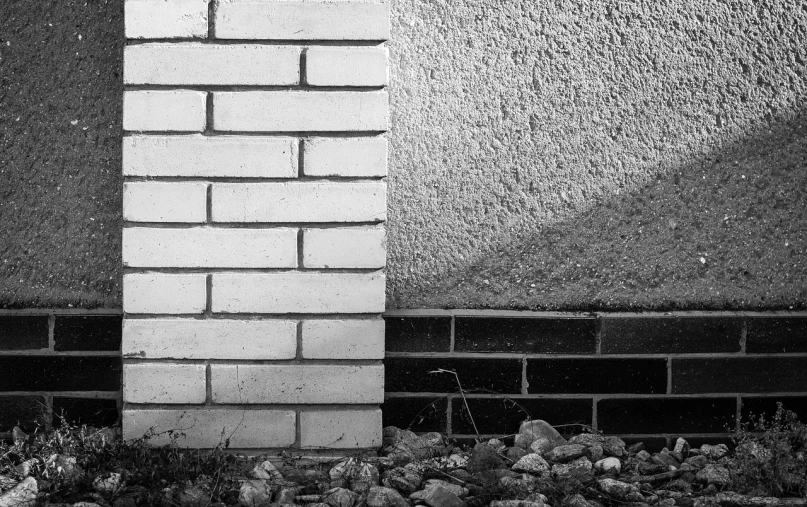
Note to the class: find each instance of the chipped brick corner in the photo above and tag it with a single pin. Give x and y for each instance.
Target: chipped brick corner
(254, 202)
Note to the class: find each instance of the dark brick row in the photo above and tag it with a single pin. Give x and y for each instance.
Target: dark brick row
(414, 375)
(503, 415)
(739, 375)
(60, 373)
(597, 376)
(619, 335)
(71, 332)
(32, 412)
(667, 415)
(417, 414)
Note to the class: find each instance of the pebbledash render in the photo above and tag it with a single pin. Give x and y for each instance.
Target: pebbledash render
(254, 202)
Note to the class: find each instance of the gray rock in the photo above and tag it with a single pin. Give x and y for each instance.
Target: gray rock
(286, 495)
(614, 446)
(266, 471)
(540, 445)
(666, 502)
(379, 496)
(438, 496)
(530, 431)
(516, 453)
(254, 492)
(666, 459)
(194, 497)
(484, 457)
(580, 465)
(403, 479)
(531, 463)
(405, 446)
(594, 452)
(564, 453)
(714, 452)
(643, 455)
(731, 499)
(576, 500)
(21, 495)
(454, 488)
(354, 470)
(340, 497)
(681, 447)
(608, 465)
(713, 474)
(697, 461)
(519, 487)
(620, 490)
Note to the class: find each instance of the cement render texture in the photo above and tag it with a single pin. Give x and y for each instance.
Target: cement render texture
(583, 155)
(60, 137)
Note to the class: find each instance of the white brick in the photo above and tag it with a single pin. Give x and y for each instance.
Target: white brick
(353, 247)
(207, 428)
(294, 111)
(298, 383)
(299, 202)
(174, 111)
(157, 19)
(206, 156)
(345, 66)
(340, 429)
(298, 292)
(343, 339)
(164, 383)
(164, 293)
(365, 157)
(209, 339)
(165, 202)
(302, 20)
(211, 64)
(204, 247)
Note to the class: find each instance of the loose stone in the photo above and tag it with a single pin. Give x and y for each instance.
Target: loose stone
(379, 496)
(530, 431)
(564, 453)
(608, 465)
(531, 463)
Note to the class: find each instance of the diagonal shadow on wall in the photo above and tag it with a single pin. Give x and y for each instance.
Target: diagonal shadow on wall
(727, 230)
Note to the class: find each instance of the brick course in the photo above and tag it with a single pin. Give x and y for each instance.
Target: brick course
(170, 111)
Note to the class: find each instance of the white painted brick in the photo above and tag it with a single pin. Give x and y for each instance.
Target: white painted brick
(164, 293)
(209, 339)
(165, 202)
(346, 66)
(164, 383)
(298, 383)
(293, 111)
(211, 64)
(205, 247)
(345, 247)
(299, 202)
(302, 20)
(173, 111)
(158, 19)
(365, 157)
(298, 292)
(340, 429)
(207, 428)
(343, 339)
(206, 156)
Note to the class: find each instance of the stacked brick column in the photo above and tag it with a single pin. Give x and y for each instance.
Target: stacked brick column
(254, 204)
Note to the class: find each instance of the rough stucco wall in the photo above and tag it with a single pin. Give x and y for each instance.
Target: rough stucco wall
(60, 110)
(581, 154)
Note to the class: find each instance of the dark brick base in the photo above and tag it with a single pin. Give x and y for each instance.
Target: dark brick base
(646, 377)
(59, 366)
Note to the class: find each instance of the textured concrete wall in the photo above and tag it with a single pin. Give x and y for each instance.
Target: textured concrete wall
(579, 154)
(60, 137)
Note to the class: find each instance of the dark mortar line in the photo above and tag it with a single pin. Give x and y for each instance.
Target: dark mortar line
(89, 395)
(300, 249)
(593, 357)
(669, 375)
(738, 414)
(335, 134)
(299, 341)
(258, 316)
(525, 383)
(219, 270)
(594, 413)
(592, 396)
(598, 337)
(251, 225)
(743, 336)
(52, 332)
(469, 312)
(251, 179)
(230, 88)
(208, 294)
(253, 362)
(211, 19)
(209, 204)
(304, 66)
(213, 41)
(301, 161)
(303, 407)
(57, 353)
(208, 384)
(452, 337)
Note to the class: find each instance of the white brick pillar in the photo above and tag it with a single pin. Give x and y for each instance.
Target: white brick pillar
(254, 202)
